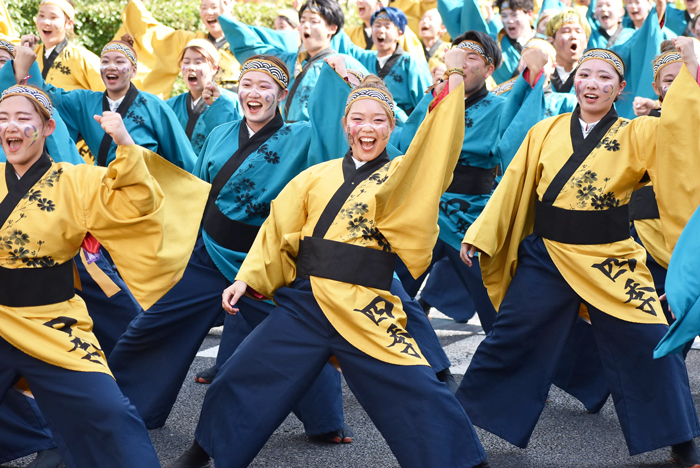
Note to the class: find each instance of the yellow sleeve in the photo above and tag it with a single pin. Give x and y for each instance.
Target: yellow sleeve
(412, 44)
(148, 226)
(7, 29)
(271, 261)
(158, 48)
(89, 66)
(356, 35)
(407, 203)
(675, 165)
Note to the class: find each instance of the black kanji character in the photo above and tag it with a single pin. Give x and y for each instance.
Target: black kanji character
(376, 311)
(400, 336)
(608, 266)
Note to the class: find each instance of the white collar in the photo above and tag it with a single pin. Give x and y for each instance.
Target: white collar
(586, 128)
(382, 60)
(194, 103)
(563, 74)
(358, 163)
(114, 105)
(47, 52)
(250, 131)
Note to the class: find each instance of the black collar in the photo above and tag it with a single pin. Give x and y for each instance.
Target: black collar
(48, 61)
(476, 97)
(559, 85)
(18, 188)
(596, 134)
(431, 51)
(262, 135)
(350, 172)
(218, 43)
(382, 72)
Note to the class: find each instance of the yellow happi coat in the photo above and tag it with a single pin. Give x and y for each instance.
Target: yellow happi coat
(149, 235)
(74, 68)
(159, 48)
(612, 277)
(395, 209)
(651, 235)
(408, 41)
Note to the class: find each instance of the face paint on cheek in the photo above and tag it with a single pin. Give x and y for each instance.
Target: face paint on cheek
(579, 87)
(351, 134)
(610, 90)
(664, 90)
(32, 133)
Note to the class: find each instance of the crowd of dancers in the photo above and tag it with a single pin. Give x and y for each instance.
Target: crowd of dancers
(533, 163)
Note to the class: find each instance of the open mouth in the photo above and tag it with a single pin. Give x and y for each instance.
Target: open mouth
(111, 78)
(604, 17)
(254, 106)
(590, 98)
(381, 39)
(307, 35)
(574, 47)
(46, 32)
(192, 78)
(511, 30)
(13, 144)
(361, 10)
(367, 143)
(212, 21)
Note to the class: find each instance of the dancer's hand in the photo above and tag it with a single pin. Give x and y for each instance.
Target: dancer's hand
(113, 125)
(231, 295)
(643, 106)
(211, 93)
(29, 40)
(467, 253)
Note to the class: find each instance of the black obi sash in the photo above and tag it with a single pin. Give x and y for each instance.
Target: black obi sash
(643, 204)
(228, 233)
(576, 226)
(28, 287)
(342, 262)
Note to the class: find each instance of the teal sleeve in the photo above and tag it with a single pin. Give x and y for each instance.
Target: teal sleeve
(366, 57)
(245, 42)
(172, 139)
(461, 16)
(287, 41)
(404, 138)
(419, 79)
(225, 109)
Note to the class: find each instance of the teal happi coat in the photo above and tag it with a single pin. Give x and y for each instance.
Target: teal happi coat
(293, 148)
(149, 121)
(495, 126)
(677, 20)
(460, 16)
(225, 109)
(246, 42)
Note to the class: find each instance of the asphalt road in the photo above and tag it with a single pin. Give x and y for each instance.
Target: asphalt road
(566, 436)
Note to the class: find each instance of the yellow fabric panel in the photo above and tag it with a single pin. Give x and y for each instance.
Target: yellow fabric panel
(408, 41)
(438, 58)
(105, 283)
(414, 11)
(652, 237)
(74, 68)
(159, 48)
(601, 274)
(675, 173)
(7, 29)
(399, 201)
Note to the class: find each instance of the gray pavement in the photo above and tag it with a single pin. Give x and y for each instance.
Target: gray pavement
(566, 436)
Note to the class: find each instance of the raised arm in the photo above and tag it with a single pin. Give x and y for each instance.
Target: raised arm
(460, 16)
(245, 43)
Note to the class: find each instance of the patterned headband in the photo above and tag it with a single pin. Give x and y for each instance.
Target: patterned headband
(476, 47)
(32, 93)
(206, 45)
(63, 5)
(665, 59)
(605, 55)
(118, 47)
(267, 67)
(382, 15)
(543, 45)
(357, 73)
(8, 46)
(504, 87)
(370, 93)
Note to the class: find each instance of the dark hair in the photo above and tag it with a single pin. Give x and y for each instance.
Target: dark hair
(490, 46)
(666, 46)
(526, 5)
(329, 9)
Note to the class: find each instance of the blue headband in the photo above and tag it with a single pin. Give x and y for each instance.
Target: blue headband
(392, 14)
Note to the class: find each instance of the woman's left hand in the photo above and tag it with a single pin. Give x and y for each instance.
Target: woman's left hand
(211, 93)
(113, 125)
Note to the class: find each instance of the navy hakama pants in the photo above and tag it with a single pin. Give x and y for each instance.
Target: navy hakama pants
(23, 429)
(151, 360)
(92, 423)
(444, 291)
(507, 383)
(274, 367)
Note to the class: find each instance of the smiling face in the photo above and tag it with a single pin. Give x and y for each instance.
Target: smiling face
(638, 10)
(597, 85)
(209, 11)
(117, 72)
(366, 8)
(197, 71)
(22, 132)
(52, 24)
(430, 26)
(368, 128)
(259, 96)
(517, 23)
(476, 70)
(5, 56)
(609, 13)
(569, 42)
(385, 35)
(315, 32)
(665, 77)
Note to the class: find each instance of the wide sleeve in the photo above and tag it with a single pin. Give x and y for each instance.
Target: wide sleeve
(148, 227)
(675, 165)
(460, 16)
(7, 29)
(271, 261)
(60, 145)
(245, 42)
(88, 66)
(172, 140)
(407, 202)
(158, 48)
(419, 79)
(368, 58)
(226, 108)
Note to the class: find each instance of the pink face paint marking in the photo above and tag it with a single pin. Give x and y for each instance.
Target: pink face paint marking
(579, 87)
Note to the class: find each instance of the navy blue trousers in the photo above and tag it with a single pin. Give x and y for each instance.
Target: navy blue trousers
(23, 429)
(152, 358)
(507, 383)
(92, 423)
(271, 370)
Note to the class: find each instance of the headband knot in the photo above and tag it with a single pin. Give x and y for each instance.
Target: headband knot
(34, 94)
(269, 68)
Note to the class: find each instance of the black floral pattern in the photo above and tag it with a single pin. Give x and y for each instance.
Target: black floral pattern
(46, 205)
(605, 201)
(357, 225)
(611, 145)
(584, 193)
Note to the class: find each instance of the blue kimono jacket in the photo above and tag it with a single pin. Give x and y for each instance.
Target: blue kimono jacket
(677, 20)
(225, 109)
(495, 127)
(246, 42)
(460, 16)
(149, 121)
(258, 180)
(407, 78)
